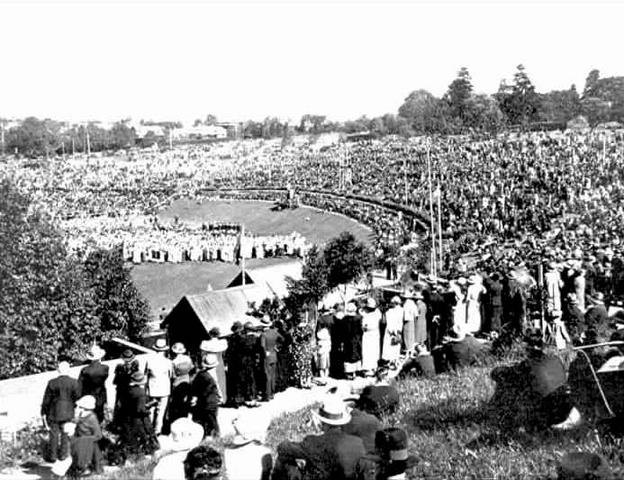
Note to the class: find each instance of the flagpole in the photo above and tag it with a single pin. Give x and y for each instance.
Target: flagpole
(440, 224)
(240, 249)
(433, 239)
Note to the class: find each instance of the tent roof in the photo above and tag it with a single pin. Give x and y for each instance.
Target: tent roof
(271, 278)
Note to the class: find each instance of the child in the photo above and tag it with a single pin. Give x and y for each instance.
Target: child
(322, 353)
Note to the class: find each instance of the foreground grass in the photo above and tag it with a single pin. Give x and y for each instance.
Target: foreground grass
(453, 437)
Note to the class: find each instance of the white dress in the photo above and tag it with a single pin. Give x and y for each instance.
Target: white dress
(370, 339)
(473, 310)
(394, 328)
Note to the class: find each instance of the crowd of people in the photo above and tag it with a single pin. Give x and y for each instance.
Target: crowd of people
(145, 239)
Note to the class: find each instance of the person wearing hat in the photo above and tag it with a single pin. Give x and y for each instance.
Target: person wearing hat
(159, 375)
(493, 303)
(137, 436)
(352, 344)
(572, 317)
(203, 463)
(552, 285)
(121, 380)
(270, 343)
(246, 457)
(420, 322)
(86, 454)
(57, 408)
(460, 350)
(596, 316)
(233, 360)
(92, 380)
(381, 398)
(215, 348)
(205, 398)
(332, 455)
(394, 331)
(371, 318)
(391, 459)
(185, 435)
(323, 350)
(474, 294)
(181, 383)
(249, 353)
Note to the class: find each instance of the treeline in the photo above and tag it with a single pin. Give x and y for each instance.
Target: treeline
(460, 110)
(54, 306)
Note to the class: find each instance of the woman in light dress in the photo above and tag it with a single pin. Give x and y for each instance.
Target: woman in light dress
(473, 303)
(371, 316)
(394, 331)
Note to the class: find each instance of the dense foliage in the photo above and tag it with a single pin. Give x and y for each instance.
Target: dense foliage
(53, 305)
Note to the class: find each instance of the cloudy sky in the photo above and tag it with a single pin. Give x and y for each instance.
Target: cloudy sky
(239, 60)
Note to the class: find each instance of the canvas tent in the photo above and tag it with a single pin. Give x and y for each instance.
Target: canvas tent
(271, 279)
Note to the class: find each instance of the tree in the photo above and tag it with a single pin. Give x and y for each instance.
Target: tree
(559, 106)
(424, 112)
(122, 136)
(459, 94)
(120, 307)
(346, 260)
(313, 284)
(519, 102)
(210, 119)
(33, 137)
(483, 113)
(591, 84)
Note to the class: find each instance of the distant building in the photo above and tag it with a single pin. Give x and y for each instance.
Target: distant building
(200, 132)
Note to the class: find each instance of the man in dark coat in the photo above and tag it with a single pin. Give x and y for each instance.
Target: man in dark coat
(92, 380)
(121, 380)
(381, 398)
(270, 342)
(137, 434)
(419, 364)
(337, 334)
(205, 398)
(330, 456)
(493, 303)
(461, 350)
(572, 316)
(57, 408)
(250, 352)
(363, 425)
(352, 346)
(596, 316)
(234, 365)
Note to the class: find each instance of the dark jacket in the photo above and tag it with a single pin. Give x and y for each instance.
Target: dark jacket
(92, 381)
(59, 398)
(596, 316)
(330, 456)
(352, 330)
(378, 399)
(365, 426)
(205, 389)
(463, 353)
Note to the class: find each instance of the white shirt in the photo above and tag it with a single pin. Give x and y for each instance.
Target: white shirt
(245, 463)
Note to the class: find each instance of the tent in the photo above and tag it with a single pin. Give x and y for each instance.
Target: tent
(271, 278)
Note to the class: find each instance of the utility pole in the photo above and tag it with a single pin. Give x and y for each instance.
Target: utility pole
(88, 143)
(240, 250)
(433, 239)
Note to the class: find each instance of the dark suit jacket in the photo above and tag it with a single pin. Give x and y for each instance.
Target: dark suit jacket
(59, 398)
(365, 426)
(92, 381)
(270, 340)
(330, 456)
(463, 353)
(378, 399)
(596, 316)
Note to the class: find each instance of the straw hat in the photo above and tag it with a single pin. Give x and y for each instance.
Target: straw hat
(185, 434)
(63, 368)
(160, 345)
(127, 355)
(371, 303)
(95, 353)
(351, 309)
(250, 427)
(87, 402)
(178, 348)
(209, 362)
(396, 300)
(334, 411)
(597, 298)
(459, 332)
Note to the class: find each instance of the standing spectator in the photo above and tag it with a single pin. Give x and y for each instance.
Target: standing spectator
(249, 355)
(494, 304)
(394, 329)
(205, 398)
(137, 435)
(410, 314)
(303, 351)
(92, 380)
(234, 360)
(420, 324)
(121, 380)
(323, 350)
(181, 384)
(213, 349)
(352, 346)
(474, 293)
(579, 287)
(270, 342)
(57, 409)
(338, 339)
(371, 317)
(596, 315)
(160, 373)
(553, 284)
(573, 317)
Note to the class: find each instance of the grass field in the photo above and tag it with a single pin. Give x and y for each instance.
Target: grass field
(453, 437)
(315, 225)
(165, 284)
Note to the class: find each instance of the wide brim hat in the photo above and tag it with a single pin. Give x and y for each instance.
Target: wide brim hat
(396, 300)
(236, 326)
(459, 331)
(371, 303)
(185, 435)
(266, 320)
(323, 334)
(596, 298)
(87, 402)
(350, 309)
(137, 378)
(178, 347)
(160, 345)
(96, 353)
(333, 411)
(127, 355)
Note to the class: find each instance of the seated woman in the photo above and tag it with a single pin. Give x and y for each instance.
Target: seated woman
(85, 451)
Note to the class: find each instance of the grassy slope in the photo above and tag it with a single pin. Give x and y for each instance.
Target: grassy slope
(453, 438)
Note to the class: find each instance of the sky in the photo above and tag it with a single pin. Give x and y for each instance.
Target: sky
(240, 60)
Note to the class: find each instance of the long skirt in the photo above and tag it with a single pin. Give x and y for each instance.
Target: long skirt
(85, 454)
(138, 436)
(409, 335)
(370, 350)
